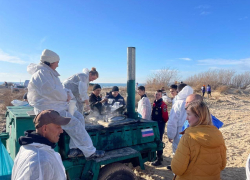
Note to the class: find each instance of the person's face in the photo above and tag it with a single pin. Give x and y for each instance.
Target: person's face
(140, 92)
(158, 95)
(192, 119)
(97, 92)
(54, 65)
(115, 93)
(189, 100)
(52, 132)
(173, 92)
(92, 77)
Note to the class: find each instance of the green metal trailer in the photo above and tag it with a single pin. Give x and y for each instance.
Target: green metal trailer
(123, 144)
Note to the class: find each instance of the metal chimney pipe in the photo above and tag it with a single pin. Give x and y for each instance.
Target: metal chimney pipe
(131, 83)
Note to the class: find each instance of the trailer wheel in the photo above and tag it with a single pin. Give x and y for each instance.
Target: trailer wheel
(116, 171)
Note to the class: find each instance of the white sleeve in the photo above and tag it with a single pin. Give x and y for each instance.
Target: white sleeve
(173, 123)
(248, 168)
(144, 108)
(148, 109)
(68, 91)
(83, 90)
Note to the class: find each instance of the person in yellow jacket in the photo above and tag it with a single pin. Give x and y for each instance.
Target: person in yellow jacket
(201, 153)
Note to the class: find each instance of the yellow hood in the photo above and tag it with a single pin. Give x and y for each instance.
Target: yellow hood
(206, 135)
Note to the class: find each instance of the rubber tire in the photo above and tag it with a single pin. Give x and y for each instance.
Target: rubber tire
(116, 171)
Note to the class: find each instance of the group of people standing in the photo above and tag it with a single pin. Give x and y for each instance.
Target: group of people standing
(203, 90)
(199, 152)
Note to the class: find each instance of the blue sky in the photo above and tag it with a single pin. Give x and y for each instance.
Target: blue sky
(191, 36)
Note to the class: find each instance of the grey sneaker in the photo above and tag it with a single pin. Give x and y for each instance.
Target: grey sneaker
(73, 153)
(97, 154)
(80, 153)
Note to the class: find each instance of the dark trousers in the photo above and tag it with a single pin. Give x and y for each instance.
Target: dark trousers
(161, 126)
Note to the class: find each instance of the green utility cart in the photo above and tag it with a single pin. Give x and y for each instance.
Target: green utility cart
(125, 143)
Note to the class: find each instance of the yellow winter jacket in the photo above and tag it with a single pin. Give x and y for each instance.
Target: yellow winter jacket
(200, 155)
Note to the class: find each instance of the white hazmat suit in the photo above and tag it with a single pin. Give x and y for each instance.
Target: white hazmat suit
(178, 116)
(145, 108)
(47, 92)
(79, 84)
(38, 161)
(248, 168)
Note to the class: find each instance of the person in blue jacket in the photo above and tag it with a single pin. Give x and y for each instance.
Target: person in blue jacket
(114, 96)
(196, 97)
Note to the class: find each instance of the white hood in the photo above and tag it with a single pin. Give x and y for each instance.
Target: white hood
(184, 93)
(33, 68)
(86, 71)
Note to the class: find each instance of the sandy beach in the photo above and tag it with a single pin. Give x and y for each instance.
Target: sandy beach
(231, 107)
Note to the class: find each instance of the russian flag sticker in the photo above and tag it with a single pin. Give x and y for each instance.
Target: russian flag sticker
(147, 132)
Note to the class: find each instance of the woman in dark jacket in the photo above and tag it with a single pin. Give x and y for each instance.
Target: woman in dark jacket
(95, 100)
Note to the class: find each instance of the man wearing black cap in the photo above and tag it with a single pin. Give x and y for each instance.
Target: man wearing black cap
(36, 158)
(95, 100)
(116, 97)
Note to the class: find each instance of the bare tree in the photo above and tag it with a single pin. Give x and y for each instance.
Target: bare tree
(162, 78)
(218, 78)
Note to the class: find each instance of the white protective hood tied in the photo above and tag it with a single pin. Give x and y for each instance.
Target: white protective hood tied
(178, 116)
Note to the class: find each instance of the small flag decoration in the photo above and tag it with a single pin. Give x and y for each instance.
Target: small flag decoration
(147, 132)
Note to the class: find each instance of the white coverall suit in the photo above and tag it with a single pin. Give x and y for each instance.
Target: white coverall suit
(38, 161)
(145, 108)
(47, 92)
(178, 116)
(79, 84)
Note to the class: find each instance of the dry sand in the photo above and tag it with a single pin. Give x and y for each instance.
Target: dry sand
(233, 108)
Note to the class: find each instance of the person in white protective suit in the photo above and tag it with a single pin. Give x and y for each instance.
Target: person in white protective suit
(144, 105)
(79, 84)
(37, 158)
(47, 92)
(178, 115)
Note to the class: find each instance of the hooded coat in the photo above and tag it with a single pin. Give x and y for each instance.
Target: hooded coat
(201, 154)
(178, 116)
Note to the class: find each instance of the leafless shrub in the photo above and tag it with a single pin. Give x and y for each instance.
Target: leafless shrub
(161, 78)
(7, 97)
(241, 80)
(218, 78)
(222, 89)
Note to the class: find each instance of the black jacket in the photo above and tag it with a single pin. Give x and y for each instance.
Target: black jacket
(118, 98)
(95, 103)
